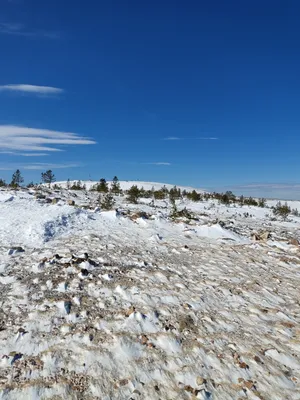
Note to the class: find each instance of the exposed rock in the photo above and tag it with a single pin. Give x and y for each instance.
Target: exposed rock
(40, 196)
(262, 236)
(71, 202)
(144, 339)
(14, 250)
(294, 242)
(55, 200)
(192, 390)
(186, 323)
(68, 305)
(130, 311)
(200, 381)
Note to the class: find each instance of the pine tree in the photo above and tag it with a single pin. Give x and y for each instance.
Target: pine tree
(16, 179)
(194, 196)
(133, 194)
(262, 202)
(115, 187)
(102, 186)
(159, 194)
(107, 202)
(77, 186)
(48, 177)
(174, 193)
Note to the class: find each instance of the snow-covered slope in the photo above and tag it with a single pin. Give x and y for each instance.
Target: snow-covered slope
(125, 185)
(131, 304)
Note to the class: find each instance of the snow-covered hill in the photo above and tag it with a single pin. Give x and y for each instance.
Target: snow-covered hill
(132, 304)
(125, 185)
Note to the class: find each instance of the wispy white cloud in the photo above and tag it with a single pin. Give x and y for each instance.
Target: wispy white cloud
(38, 166)
(190, 138)
(21, 138)
(33, 89)
(283, 190)
(15, 153)
(270, 186)
(207, 138)
(9, 28)
(158, 163)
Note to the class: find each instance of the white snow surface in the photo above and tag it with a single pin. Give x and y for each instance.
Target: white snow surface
(131, 304)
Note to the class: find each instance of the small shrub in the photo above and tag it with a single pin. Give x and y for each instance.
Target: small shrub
(262, 203)
(174, 193)
(16, 179)
(133, 194)
(194, 196)
(159, 194)
(107, 202)
(102, 186)
(115, 186)
(249, 201)
(77, 186)
(282, 210)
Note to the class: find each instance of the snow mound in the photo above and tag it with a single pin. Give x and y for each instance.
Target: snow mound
(25, 222)
(216, 232)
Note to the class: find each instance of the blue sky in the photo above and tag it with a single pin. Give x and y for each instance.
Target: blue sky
(197, 93)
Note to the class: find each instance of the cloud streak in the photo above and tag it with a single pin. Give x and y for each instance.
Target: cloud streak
(174, 138)
(16, 29)
(207, 138)
(24, 139)
(32, 89)
(38, 166)
(158, 163)
(270, 186)
(14, 153)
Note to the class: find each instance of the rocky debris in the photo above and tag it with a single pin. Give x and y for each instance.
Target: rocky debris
(67, 306)
(71, 202)
(261, 236)
(197, 306)
(246, 383)
(15, 250)
(191, 390)
(186, 322)
(294, 242)
(55, 200)
(130, 311)
(200, 381)
(84, 272)
(140, 214)
(144, 339)
(257, 359)
(40, 196)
